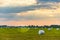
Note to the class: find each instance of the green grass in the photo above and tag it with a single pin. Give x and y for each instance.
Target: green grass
(28, 34)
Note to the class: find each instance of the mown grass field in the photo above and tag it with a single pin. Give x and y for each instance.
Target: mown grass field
(28, 34)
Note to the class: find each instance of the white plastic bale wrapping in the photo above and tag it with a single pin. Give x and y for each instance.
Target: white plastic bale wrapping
(57, 28)
(41, 32)
(49, 28)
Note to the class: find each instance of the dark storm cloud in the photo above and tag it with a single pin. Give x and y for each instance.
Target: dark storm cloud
(23, 9)
(48, 0)
(9, 13)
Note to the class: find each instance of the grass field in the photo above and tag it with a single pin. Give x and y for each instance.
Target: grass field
(28, 34)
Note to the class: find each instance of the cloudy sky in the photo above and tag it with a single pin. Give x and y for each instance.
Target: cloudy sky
(29, 12)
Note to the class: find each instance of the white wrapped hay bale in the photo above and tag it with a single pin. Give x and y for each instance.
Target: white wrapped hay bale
(57, 28)
(41, 32)
(49, 28)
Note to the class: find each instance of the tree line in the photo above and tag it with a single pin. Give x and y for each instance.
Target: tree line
(31, 26)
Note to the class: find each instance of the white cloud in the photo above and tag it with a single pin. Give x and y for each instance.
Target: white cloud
(41, 14)
(17, 2)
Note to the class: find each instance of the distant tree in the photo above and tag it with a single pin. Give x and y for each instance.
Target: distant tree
(3, 26)
(55, 26)
(46, 26)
